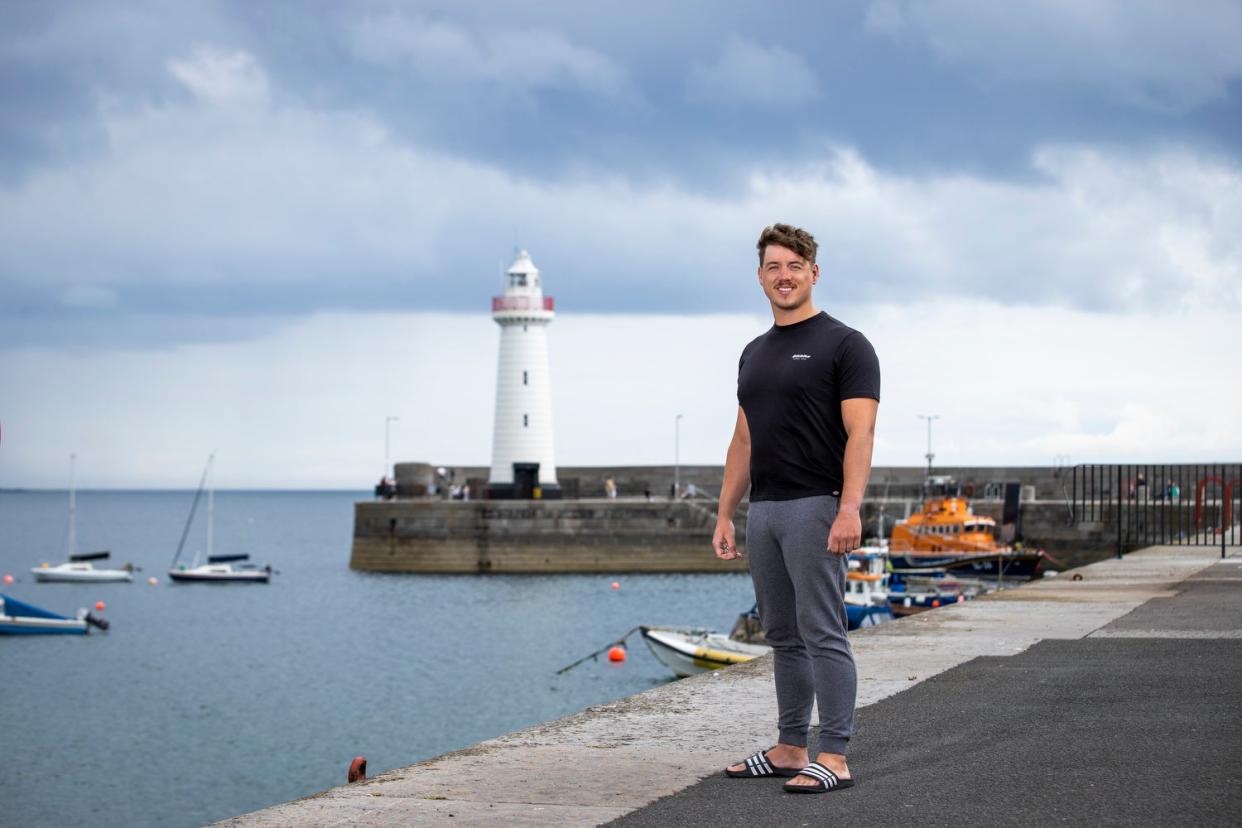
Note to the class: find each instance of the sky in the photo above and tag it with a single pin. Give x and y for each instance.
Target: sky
(260, 229)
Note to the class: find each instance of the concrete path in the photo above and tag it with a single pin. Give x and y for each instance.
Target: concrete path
(1037, 704)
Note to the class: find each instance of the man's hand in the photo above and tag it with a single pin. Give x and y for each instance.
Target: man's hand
(723, 543)
(846, 534)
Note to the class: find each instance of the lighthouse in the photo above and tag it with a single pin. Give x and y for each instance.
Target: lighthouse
(523, 463)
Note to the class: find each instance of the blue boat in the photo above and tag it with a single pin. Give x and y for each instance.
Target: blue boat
(19, 618)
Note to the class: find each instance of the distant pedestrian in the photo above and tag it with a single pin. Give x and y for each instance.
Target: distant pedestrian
(808, 392)
(610, 489)
(465, 491)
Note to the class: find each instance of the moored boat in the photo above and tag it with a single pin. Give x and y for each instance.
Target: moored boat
(19, 618)
(688, 652)
(219, 569)
(946, 536)
(79, 569)
(866, 589)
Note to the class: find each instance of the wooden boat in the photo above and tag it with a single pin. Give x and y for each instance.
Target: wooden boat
(947, 536)
(19, 618)
(219, 569)
(79, 569)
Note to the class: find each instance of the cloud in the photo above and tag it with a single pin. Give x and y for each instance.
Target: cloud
(222, 78)
(303, 404)
(200, 205)
(746, 73)
(532, 58)
(1140, 52)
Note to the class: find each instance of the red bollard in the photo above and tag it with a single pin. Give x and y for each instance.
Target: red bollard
(358, 769)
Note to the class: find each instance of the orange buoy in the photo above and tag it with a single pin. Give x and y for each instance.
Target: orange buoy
(616, 585)
(358, 769)
(8, 579)
(935, 602)
(99, 605)
(153, 580)
(616, 653)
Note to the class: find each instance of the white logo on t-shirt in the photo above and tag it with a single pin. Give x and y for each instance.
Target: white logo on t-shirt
(801, 356)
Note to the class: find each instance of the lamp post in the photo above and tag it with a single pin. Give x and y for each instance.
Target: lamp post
(388, 421)
(677, 455)
(930, 455)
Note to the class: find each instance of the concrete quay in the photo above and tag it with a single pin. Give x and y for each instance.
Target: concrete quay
(1111, 694)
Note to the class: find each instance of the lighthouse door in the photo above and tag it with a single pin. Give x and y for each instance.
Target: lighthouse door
(525, 479)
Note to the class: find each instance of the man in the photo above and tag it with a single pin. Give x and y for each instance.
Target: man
(808, 391)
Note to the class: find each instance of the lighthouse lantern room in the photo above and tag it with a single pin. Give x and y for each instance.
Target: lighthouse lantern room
(523, 463)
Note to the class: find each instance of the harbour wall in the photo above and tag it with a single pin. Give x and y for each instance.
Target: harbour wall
(536, 536)
(624, 535)
(978, 482)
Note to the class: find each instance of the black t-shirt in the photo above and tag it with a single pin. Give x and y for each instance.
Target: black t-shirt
(790, 384)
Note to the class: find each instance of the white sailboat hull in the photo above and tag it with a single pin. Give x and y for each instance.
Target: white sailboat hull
(79, 573)
(220, 574)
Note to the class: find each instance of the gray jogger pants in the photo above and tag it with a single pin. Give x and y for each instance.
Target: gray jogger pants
(801, 590)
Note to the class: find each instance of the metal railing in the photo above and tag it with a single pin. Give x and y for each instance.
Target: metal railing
(1189, 504)
(522, 303)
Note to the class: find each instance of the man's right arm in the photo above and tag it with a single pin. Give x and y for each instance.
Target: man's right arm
(736, 480)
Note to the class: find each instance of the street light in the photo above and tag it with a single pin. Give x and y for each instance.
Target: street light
(930, 455)
(677, 455)
(388, 421)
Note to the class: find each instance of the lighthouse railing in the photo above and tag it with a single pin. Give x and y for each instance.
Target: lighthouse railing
(522, 303)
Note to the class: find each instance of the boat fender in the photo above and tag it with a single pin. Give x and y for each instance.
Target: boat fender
(1077, 577)
(358, 769)
(95, 621)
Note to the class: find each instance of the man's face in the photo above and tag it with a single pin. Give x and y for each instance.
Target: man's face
(786, 277)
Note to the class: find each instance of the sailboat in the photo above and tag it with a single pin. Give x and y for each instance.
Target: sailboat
(219, 569)
(79, 569)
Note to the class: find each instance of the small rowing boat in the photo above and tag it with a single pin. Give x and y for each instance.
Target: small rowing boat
(688, 652)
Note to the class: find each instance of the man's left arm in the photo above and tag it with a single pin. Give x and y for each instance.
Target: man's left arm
(858, 415)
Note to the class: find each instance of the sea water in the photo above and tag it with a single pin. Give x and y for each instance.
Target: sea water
(207, 701)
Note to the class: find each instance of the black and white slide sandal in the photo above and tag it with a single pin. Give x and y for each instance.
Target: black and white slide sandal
(825, 780)
(759, 765)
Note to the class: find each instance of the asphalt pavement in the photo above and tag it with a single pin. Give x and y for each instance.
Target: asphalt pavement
(1139, 723)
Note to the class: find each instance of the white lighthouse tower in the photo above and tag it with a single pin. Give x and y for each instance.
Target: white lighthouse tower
(523, 464)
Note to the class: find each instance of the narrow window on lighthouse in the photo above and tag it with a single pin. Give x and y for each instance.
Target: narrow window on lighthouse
(525, 379)
(525, 420)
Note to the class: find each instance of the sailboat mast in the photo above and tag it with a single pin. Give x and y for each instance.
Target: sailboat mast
(73, 505)
(185, 533)
(211, 501)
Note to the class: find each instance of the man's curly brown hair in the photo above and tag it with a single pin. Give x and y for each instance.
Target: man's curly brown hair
(786, 235)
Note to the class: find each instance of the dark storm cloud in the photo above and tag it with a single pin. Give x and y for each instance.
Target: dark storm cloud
(256, 160)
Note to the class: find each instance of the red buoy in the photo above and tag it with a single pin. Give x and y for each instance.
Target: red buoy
(358, 769)
(935, 602)
(99, 605)
(616, 585)
(616, 653)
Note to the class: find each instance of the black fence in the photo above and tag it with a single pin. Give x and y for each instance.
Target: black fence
(1195, 504)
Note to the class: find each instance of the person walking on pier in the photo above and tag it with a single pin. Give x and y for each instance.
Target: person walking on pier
(808, 391)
